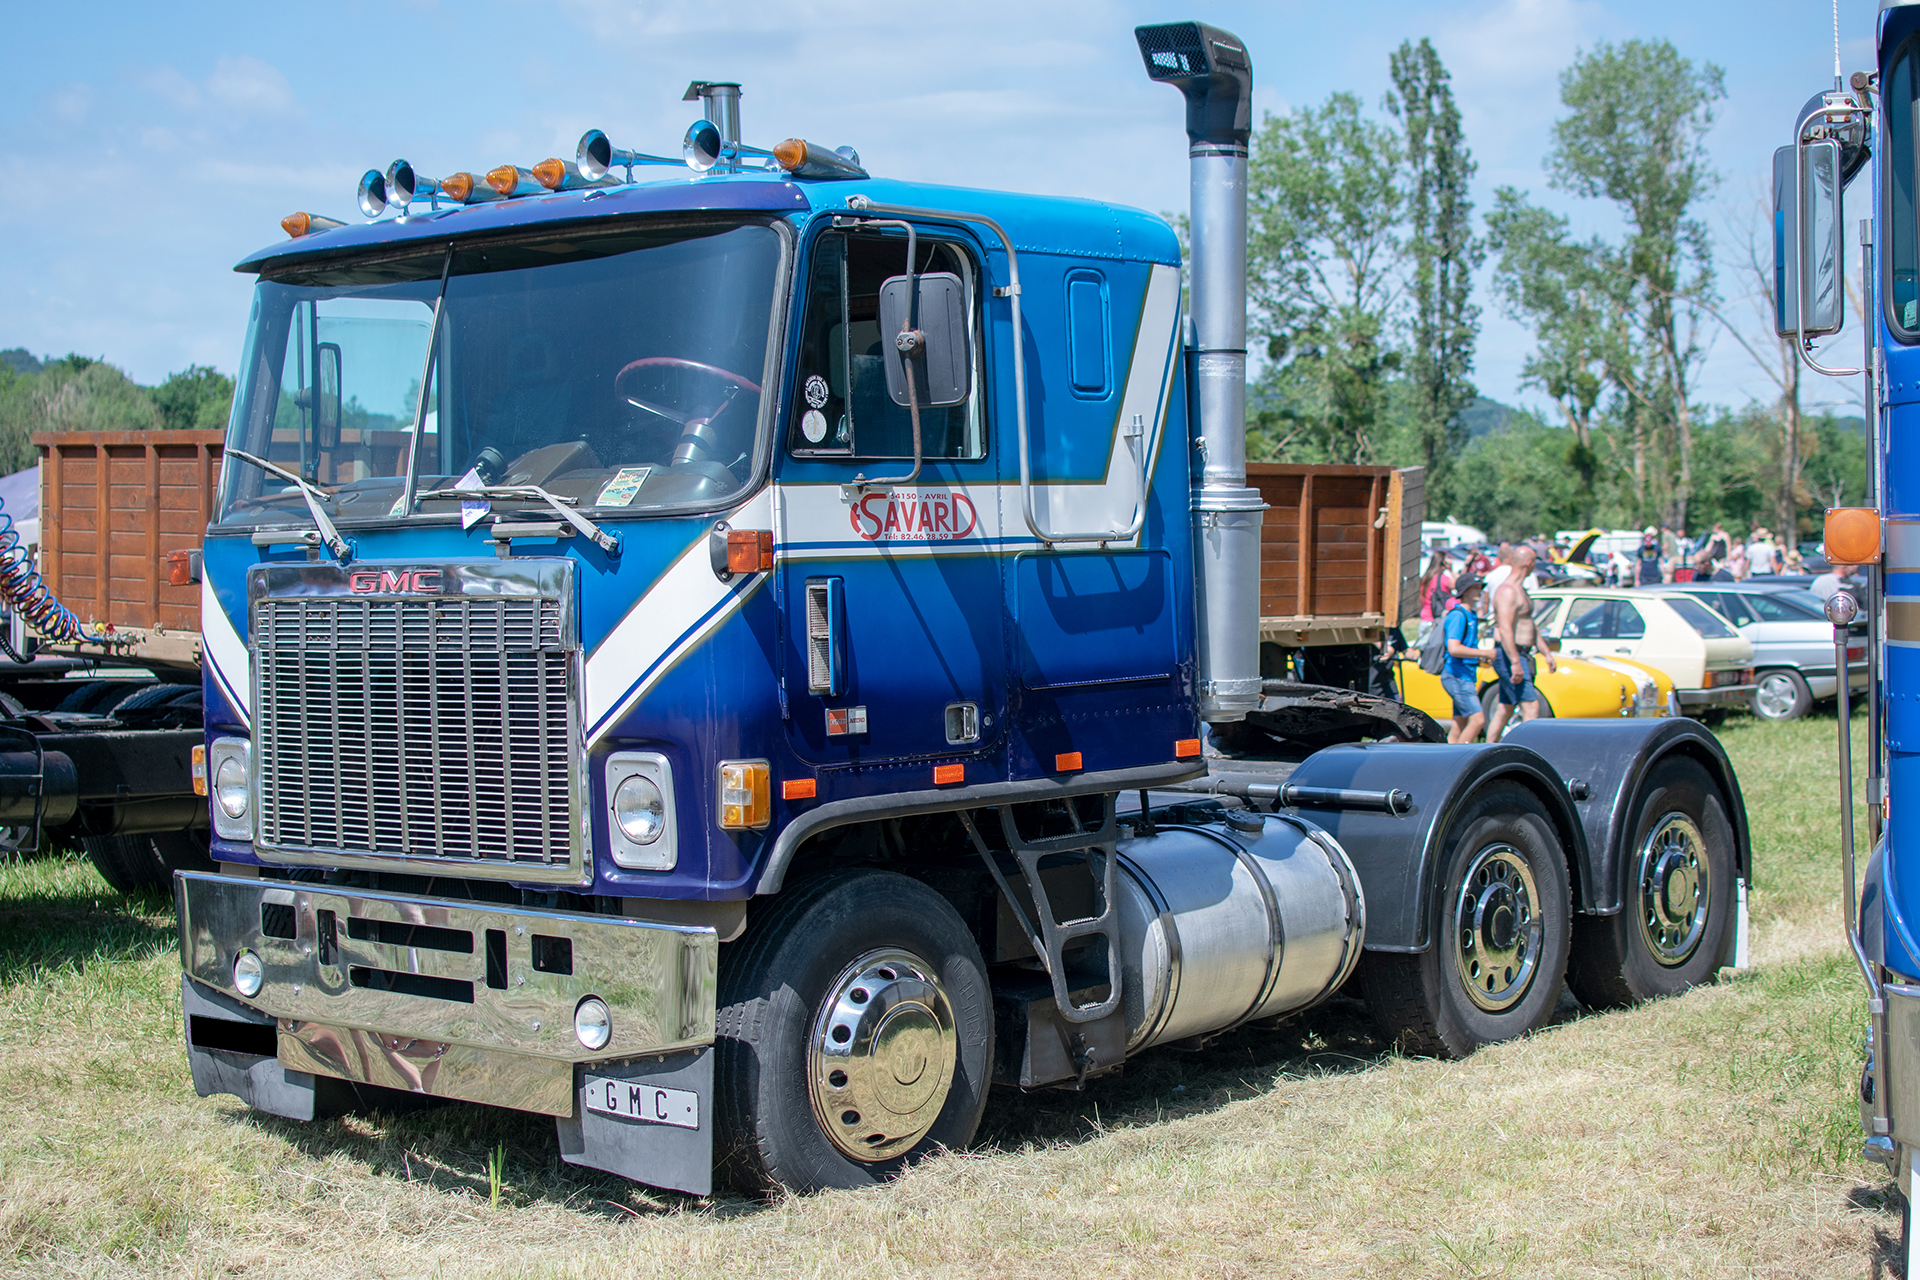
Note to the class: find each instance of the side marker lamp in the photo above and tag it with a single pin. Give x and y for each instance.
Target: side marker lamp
(1853, 535)
(749, 550)
(802, 159)
(512, 180)
(745, 795)
(305, 224)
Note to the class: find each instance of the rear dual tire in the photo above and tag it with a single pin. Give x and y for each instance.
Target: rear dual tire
(1499, 934)
(146, 863)
(1676, 895)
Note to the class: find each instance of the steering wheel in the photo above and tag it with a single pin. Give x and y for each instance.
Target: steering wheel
(620, 381)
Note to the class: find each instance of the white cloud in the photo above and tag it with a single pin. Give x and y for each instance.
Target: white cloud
(249, 85)
(170, 86)
(70, 103)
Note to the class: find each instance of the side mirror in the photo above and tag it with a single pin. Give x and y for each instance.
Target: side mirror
(1809, 251)
(943, 368)
(326, 405)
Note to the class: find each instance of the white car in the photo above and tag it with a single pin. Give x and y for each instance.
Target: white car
(1709, 662)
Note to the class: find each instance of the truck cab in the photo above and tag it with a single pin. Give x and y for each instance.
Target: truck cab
(725, 657)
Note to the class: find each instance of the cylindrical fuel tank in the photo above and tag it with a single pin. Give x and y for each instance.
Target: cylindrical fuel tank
(1222, 922)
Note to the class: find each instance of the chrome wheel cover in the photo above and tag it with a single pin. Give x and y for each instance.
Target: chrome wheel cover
(1673, 889)
(1497, 931)
(1776, 695)
(881, 1055)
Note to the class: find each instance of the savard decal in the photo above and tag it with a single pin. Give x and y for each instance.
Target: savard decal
(917, 515)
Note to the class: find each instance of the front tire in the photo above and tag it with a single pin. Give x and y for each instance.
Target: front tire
(1499, 934)
(1781, 695)
(855, 1035)
(1676, 897)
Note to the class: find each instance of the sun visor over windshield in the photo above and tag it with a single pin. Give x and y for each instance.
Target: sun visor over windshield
(489, 219)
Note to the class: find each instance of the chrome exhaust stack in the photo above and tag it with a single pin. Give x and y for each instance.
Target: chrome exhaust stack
(1212, 69)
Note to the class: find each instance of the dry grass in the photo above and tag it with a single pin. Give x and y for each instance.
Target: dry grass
(1709, 1135)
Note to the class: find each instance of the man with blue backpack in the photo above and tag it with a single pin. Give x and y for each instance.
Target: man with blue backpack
(1453, 652)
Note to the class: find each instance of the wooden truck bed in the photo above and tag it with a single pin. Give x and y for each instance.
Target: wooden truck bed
(1339, 551)
(113, 504)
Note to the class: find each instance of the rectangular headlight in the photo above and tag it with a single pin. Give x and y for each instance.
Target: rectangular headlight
(640, 826)
(230, 783)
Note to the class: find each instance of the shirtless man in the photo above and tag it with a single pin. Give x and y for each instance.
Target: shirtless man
(1515, 640)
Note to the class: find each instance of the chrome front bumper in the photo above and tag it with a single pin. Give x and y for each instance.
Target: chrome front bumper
(456, 999)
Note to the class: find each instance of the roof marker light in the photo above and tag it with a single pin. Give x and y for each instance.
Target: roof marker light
(467, 188)
(305, 224)
(804, 160)
(512, 180)
(556, 174)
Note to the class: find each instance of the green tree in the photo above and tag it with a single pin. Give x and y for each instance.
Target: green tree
(1635, 134)
(1444, 251)
(197, 397)
(1579, 302)
(1324, 252)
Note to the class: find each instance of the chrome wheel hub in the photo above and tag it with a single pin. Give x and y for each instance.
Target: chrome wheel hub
(1775, 696)
(1673, 889)
(881, 1056)
(1497, 928)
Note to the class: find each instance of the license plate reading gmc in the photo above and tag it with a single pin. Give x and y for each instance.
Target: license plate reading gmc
(647, 1103)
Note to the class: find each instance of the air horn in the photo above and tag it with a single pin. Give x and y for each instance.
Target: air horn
(597, 155)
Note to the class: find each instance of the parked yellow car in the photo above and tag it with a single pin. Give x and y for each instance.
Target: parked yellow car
(1710, 663)
(1575, 689)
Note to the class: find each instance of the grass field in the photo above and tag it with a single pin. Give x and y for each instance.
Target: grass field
(1711, 1135)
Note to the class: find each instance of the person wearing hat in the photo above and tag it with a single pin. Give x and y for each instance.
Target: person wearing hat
(1464, 655)
(1762, 555)
(1647, 560)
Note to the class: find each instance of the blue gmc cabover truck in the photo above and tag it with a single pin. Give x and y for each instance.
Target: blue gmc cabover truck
(722, 651)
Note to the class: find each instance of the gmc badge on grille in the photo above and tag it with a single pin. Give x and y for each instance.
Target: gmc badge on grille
(391, 582)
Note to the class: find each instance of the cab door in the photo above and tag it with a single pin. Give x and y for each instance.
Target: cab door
(892, 601)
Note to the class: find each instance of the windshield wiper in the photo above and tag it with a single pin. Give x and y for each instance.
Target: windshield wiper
(607, 542)
(314, 494)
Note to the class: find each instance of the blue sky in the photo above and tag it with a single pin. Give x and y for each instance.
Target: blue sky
(149, 147)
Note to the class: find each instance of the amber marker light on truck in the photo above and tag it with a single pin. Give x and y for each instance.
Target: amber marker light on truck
(745, 795)
(1853, 535)
(200, 770)
(305, 224)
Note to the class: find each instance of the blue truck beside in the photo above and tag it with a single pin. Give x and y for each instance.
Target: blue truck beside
(734, 653)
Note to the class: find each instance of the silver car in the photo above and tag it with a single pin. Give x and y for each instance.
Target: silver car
(1792, 644)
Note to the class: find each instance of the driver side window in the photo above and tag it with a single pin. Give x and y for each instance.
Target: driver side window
(841, 406)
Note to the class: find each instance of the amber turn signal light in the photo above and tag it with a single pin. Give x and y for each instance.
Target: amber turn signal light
(948, 773)
(1853, 535)
(799, 789)
(749, 550)
(550, 173)
(1067, 762)
(199, 767)
(1186, 748)
(745, 795)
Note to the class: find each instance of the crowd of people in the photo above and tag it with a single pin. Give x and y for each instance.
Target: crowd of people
(1473, 592)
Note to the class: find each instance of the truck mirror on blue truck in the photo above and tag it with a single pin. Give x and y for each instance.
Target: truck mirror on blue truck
(762, 849)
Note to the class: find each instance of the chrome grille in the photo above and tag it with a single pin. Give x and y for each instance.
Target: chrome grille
(429, 727)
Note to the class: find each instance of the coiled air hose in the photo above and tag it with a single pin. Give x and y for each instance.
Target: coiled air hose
(23, 590)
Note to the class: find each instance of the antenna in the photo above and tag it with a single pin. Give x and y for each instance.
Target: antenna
(1837, 82)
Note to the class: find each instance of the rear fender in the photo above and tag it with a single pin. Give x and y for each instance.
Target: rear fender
(1613, 758)
(1396, 855)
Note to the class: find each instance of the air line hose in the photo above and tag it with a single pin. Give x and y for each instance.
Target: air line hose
(23, 590)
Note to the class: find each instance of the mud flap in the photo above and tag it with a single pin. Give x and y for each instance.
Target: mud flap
(223, 1041)
(1735, 956)
(648, 1119)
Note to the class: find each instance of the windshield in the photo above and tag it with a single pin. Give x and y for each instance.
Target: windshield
(621, 370)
